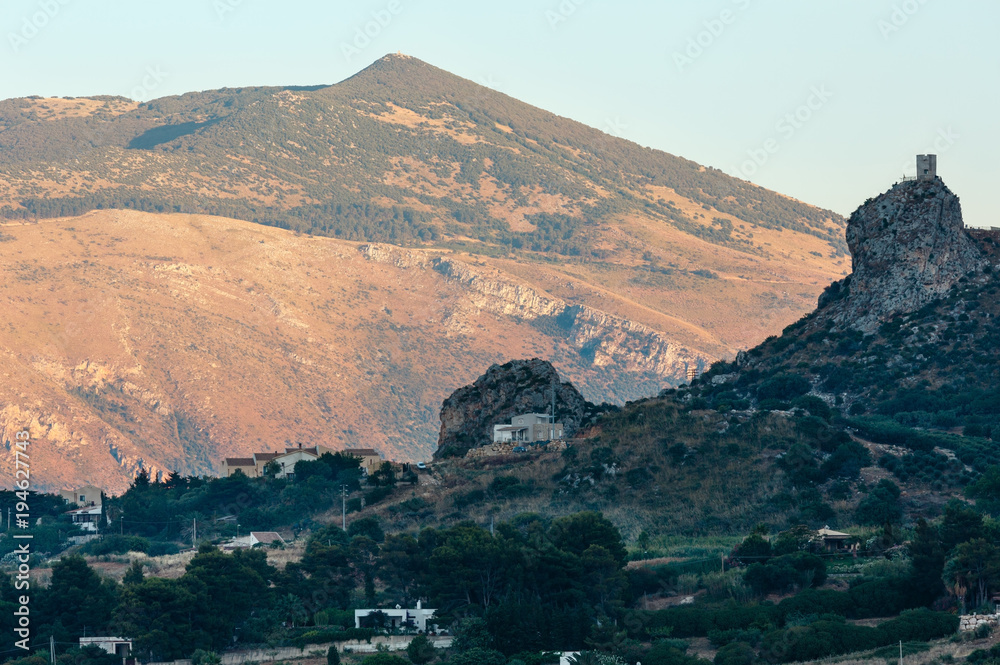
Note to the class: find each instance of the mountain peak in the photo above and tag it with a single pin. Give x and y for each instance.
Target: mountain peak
(909, 247)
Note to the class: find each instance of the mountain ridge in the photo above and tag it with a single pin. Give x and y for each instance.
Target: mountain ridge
(643, 263)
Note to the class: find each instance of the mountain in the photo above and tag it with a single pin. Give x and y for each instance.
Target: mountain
(881, 405)
(408, 154)
(502, 230)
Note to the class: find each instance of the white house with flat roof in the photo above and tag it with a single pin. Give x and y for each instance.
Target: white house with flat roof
(88, 519)
(117, 646)
(415, 618)
(528, 427)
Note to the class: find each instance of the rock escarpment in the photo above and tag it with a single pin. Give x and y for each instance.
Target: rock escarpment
(909, 247)
(517, 387)
(603, 340)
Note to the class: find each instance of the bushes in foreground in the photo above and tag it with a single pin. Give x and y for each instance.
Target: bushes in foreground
(724, 622)
(832, 635)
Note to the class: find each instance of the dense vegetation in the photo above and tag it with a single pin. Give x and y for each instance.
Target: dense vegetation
(530, 586)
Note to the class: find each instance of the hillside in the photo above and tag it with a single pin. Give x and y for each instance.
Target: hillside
(168, 342)
(408, 154)
(880, 406)
(422, 228)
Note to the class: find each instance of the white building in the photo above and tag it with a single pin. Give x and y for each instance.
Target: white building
(399, 618)
(88, 495)
(528, 427)
(262, 538)
(119, 646)
(87, 519)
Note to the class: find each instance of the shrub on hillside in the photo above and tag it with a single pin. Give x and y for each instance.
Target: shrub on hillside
(783, 572)
(881, 506)
(117, 544)
(736, 653)
(783, 387)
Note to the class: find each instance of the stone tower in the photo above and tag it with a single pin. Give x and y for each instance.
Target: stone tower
(926, 167)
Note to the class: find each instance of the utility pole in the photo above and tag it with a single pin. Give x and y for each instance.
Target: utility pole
(121, 525)
(901, 652)
(194, 534)
(52, 649)
(343, 506)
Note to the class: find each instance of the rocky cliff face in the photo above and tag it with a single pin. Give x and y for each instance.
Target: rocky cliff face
(520, 386)
(602, 339)
(909, 247)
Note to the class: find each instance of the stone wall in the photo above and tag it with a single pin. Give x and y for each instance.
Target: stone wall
(495, 449)
(970, 622)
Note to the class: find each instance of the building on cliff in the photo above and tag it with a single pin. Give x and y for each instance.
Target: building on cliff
(926, 167)
(529, 427)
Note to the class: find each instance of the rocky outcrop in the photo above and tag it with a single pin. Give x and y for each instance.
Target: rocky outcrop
(909, 247)
(517, 387)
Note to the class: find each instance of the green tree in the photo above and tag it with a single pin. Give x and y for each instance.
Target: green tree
(575, 533)
(736, 653)
(78, 598)
(202, 657)
(975, 567)
(367, 526)
(158, 615)
(478, 656)
(471, 633)
(134, 574)
(986, 491)
(420, 650)
(228, 588)
(754, 549)
(927, 556)
(881, 506)
(333, 656)
(383, 659)
(959, 523)
(384, 476)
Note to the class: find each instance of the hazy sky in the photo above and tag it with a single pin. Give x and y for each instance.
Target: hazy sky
(825, 101)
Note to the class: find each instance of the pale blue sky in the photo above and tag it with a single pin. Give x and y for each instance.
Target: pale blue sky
(885, 78)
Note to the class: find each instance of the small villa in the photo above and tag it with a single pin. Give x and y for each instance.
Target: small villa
(529, 427)
(88, 518)
(414, 619)
(834, 541)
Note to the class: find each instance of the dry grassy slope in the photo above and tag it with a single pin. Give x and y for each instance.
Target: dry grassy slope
(169, 341)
